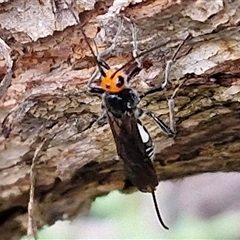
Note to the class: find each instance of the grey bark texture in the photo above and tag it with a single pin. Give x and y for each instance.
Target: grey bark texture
(47, 99)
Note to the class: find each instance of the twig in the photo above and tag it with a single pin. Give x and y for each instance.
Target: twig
(31, 229)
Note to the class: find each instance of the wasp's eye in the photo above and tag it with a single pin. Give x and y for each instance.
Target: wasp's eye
(120, 82)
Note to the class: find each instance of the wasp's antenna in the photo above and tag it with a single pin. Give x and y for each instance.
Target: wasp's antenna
(158, 212)
(140, 55)
(167, 71)
(134, 52)
(86, 39)
(114, 41)
(134, 42)
(96, 48)
(150, 50)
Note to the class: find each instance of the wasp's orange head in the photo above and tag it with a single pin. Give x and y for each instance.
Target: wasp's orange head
(113, 81)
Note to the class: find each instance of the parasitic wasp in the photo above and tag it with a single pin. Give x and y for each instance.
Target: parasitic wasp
(120, 104)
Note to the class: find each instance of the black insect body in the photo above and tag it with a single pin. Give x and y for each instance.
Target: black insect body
(120, 102)
(133, 142)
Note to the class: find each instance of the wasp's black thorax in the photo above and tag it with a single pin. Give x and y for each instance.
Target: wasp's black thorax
(121, 103)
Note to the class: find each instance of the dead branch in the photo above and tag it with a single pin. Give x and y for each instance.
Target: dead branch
(52, 65)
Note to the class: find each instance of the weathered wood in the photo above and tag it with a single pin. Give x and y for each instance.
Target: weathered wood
(47, 98)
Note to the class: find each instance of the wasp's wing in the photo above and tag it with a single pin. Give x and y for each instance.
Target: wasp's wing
(130, 147)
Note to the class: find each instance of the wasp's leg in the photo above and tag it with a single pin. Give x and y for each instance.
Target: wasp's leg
(159, 122)
(170, 62)
(114, 42)
(171, 103)
(152, 90)
(101, 62)
(96, 90)
(134, 42)
(92, 86)
(171, 106)
(102, 120)
(167, 71)
(98, 73)
(172, 122)
(139, 66)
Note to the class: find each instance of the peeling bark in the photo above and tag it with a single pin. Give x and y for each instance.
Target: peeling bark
(47, 97)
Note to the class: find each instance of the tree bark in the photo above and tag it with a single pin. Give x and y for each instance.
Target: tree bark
(47, 99)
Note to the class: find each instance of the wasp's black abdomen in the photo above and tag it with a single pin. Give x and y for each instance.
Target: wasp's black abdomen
(146, 139)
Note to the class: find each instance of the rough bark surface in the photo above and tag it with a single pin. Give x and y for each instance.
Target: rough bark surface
(47, 99)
